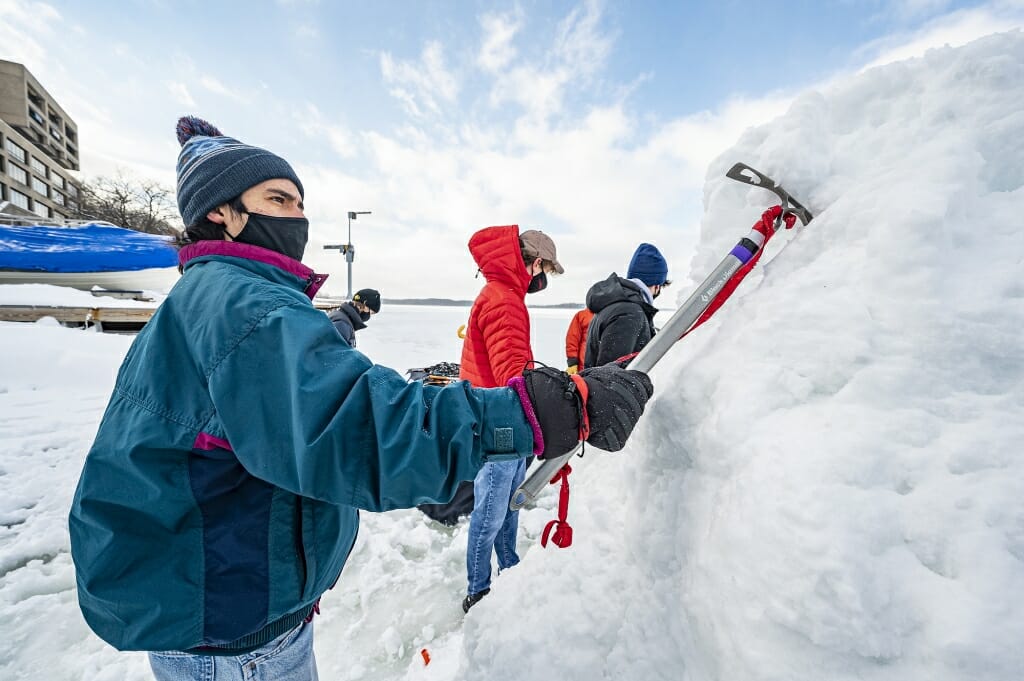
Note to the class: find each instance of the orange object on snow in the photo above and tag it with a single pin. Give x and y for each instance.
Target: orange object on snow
(426, 657)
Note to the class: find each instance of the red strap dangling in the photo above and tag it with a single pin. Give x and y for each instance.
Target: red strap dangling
(562, 537)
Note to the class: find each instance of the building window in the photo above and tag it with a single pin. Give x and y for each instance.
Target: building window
(38, 166)
(72, 190)
(58, 180)
(36, 116)
(35, 98)
(17, 172)
(15, 151)
(40, 186)
(56, 135)
(58, 198)
(42, 210)
(19, 199)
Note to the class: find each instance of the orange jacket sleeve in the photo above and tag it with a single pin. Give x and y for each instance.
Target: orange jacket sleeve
(575, 338)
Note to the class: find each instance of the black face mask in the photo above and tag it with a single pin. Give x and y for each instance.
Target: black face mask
(365, 316)
(287, 236)
(538, 283)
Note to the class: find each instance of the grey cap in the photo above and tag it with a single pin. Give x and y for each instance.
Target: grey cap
(537, 244)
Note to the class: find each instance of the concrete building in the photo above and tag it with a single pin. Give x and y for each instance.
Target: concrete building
(38, 146)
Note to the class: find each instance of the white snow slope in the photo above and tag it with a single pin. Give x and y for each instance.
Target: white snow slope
(827, 485)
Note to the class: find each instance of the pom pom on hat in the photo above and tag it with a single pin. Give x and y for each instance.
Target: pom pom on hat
(192, 126)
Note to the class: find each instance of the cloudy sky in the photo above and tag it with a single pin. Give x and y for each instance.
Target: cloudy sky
(594, 121)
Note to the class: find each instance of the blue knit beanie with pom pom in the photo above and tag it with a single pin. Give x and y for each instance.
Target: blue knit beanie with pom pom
(213, 169)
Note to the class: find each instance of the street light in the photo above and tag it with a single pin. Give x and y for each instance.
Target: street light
(347, 249)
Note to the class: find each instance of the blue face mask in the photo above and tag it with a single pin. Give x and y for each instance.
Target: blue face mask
(287, 236)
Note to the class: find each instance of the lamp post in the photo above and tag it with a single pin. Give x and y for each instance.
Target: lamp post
(347, 249)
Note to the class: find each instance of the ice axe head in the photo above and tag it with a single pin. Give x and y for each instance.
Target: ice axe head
(741, 172)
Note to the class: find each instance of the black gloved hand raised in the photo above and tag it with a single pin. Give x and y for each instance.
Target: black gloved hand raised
(615, 403)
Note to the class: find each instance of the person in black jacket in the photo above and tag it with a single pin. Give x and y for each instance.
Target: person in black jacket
(354, 314)
(624, 307)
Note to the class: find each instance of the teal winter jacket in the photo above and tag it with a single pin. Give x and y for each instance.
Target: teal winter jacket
(219, 499)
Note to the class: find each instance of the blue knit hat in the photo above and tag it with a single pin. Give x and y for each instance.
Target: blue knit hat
(648, 265)
(213, 169)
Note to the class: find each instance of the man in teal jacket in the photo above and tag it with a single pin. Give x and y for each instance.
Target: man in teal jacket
(220, 498)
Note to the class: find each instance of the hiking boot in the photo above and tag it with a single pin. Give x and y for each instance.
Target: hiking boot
(472, 599)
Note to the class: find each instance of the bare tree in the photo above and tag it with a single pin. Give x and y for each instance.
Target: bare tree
(140, 204)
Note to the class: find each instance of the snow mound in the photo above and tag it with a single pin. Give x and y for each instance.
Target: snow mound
(828, 484)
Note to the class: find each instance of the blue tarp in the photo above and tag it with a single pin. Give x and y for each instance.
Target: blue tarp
(88, 248)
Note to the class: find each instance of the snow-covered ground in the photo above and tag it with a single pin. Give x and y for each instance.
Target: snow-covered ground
(403, 584)
(828, 484)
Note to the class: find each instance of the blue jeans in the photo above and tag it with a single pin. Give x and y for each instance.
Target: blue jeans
(492, 525)
(289, 656)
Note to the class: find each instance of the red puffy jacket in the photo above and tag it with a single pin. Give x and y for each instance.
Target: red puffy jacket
(497, 343)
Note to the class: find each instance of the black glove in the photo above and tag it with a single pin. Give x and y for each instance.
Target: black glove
(615, 403)
(558, 407)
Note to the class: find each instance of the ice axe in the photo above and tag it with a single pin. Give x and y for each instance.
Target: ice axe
(741, 172)
(682, 321)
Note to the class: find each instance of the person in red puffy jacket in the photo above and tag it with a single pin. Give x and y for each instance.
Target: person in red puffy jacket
(576, 340)
(497, 348)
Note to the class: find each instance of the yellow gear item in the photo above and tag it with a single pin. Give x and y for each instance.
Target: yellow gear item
(461, 333)
(573, 369)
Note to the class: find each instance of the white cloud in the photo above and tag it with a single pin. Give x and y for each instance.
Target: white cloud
(424, 84)
(599, 185)
(497, 50)
(181, 94)
(599, 182)
(219, 88)
(579, 51)
(340, 138)
(581, 45)
(22, 25)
